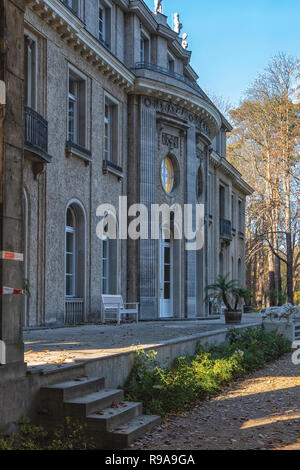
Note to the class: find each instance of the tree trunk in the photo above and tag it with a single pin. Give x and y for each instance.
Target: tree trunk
(271, 280)
(289, 269)
(260, 291)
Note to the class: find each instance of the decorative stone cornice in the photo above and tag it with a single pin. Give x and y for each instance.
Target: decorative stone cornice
(72, 31)
(184, 102)
(191, 72)
(144, 13)
(229, 170)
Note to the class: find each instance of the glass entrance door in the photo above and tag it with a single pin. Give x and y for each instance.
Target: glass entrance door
(166, 279)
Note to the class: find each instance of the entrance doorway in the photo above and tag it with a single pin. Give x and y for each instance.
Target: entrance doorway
(166, 277)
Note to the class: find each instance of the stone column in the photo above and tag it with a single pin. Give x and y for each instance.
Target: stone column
(148, 253)
(133, 193)
(11, 180)
(191, 256)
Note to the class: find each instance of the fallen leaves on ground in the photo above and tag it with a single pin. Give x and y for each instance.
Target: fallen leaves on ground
(259, 413)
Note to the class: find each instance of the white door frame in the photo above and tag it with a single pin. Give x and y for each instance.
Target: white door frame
(165, 305)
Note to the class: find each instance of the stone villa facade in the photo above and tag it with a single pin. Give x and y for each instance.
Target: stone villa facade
(113, 108)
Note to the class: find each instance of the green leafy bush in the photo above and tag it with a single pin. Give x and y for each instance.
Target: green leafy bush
(68, 436)
(165, 390)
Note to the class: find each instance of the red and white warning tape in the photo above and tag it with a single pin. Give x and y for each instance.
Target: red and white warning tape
(11, 256)
(10, 290)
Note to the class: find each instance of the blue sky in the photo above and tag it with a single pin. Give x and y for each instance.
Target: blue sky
(233, 40)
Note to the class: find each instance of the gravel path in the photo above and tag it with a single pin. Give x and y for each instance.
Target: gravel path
(261, 412)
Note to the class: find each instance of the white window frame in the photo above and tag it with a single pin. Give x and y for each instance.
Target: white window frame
(114, 126)
(103, 22)
(80, 77)
(145, 42)
(71, 230)
(32, 74)
(107, 133)
(107, 28)
(105, 261)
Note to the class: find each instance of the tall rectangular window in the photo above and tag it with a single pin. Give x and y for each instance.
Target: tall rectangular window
(104, 23)
(73, 110)
(233, 211)
(105, 266)
(73, 5)
(241, 216)
(171, 64)
(107, 132)
(145, 49)
(111, 131)
(101, 22)
(222, 202)
(30, 72)
(77, 109)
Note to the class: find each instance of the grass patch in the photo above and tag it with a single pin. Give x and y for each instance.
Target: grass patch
(68, 436)
(192, 378)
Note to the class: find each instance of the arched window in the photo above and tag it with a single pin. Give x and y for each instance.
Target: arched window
(75, 263)
(70, 253)
(167, 175)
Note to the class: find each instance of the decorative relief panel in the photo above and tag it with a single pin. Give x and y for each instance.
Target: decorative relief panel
(178, 111)
(170, 141)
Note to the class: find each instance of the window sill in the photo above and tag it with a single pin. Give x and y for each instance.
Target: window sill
(109, 167)
(241, 235)
(75, 150)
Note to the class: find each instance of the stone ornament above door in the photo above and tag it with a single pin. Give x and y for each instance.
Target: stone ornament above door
(171, 141)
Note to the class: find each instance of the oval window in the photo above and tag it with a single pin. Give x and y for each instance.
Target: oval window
(167, 175)
(199, 183)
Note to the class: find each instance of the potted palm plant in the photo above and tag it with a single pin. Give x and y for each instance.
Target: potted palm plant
(229, 292)
(247, 296)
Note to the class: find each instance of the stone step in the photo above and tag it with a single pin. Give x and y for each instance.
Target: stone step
(125, 435)
(72, 389)
(111, 418)
(83, 406)
(111, 422)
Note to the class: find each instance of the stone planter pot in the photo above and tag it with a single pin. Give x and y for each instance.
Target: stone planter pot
(282, 328)
(233, 318)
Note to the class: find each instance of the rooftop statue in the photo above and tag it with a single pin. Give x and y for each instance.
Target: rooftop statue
(184, 43)
(157, 6)
(177, 24)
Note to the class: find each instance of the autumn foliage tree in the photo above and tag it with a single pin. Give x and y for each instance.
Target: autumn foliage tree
(265, 147)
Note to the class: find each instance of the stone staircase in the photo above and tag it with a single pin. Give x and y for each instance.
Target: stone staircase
(111, 422)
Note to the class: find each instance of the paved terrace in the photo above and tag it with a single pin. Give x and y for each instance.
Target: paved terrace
(56, 348)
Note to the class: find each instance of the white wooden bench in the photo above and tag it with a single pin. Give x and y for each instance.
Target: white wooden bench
(114, 304)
